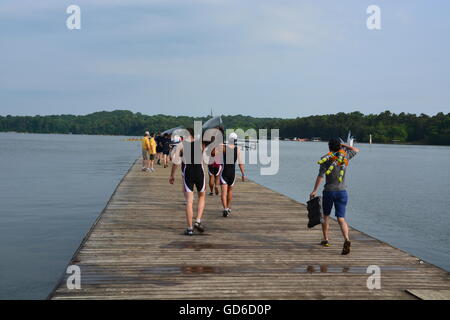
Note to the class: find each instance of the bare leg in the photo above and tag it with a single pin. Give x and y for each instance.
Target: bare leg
(151, 163)
(211, 183)
(189, 208)
(201, 205)
(217, 184)
(223, 196)
(184, 192)
(344, 228)
(229, 196)
(325, 227)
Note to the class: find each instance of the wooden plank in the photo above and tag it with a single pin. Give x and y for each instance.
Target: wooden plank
(430, 294)
(137, 250)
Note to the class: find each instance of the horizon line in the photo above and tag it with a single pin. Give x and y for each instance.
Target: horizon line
(224, 115)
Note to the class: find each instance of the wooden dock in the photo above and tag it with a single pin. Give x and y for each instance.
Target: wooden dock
(137, 250)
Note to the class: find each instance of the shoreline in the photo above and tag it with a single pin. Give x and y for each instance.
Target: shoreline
(281, 139)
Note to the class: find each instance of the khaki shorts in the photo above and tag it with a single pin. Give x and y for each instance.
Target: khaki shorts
(144, 155)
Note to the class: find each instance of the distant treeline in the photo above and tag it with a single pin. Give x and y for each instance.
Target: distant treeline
(385, 127)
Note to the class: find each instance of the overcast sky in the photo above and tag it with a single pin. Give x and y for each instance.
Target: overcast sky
(277, 58)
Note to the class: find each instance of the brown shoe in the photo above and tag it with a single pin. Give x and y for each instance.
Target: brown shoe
(346, 248)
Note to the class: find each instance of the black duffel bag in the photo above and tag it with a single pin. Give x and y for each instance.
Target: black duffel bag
(314, 207)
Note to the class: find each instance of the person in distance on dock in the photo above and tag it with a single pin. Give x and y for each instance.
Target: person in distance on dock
(158, 139)
(214, 170)
(152, 151)
(166, 149)
(189, 154)
(334, 192)
(145, 152)
(230, 156)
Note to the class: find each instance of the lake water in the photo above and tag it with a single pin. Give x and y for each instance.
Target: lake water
(53, 187)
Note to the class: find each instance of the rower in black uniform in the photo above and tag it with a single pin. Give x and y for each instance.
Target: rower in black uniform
(189, 154)
(158, 140)
(231, 155)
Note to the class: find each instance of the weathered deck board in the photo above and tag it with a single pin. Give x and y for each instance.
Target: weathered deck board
(136, 250)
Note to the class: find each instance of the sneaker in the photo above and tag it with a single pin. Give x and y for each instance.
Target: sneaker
(210, 194)
(152, 170)
(325, 243)
(199, 226)
(226, 212)
(188, 232)
(346, 248)
(144, 169)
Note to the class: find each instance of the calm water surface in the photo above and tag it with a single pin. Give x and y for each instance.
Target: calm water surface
(53, 187)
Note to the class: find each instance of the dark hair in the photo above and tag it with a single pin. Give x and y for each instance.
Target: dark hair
(191, 131)
(334, 145)
(213, 138)
(152, 134)
(222, 131)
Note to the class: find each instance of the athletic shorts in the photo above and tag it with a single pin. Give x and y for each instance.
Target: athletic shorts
(337, 198)
(228, 176)
(193, 175)
(145, 155)
(152, 156)
(166, 151)
(214, 171)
